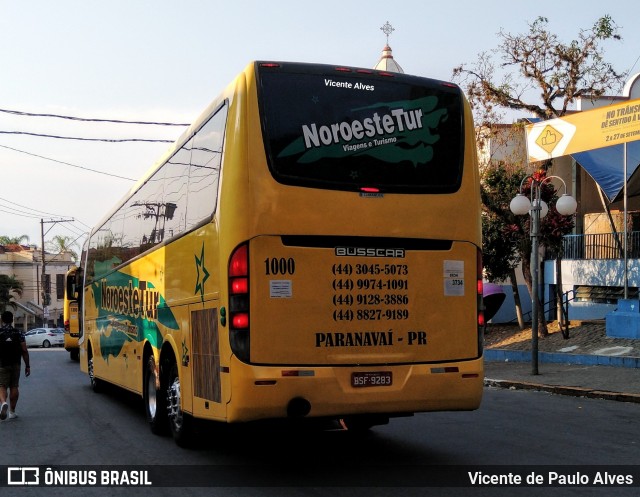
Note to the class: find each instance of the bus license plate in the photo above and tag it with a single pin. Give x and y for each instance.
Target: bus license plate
(372, 379)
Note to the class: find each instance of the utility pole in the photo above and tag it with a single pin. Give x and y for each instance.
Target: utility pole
(46, 289)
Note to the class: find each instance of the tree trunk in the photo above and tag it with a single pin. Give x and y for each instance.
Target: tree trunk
(516, 297)
(542, 322)
(563, 318)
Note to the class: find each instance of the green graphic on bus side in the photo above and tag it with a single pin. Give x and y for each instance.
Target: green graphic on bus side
(130, 310)
(393, 132)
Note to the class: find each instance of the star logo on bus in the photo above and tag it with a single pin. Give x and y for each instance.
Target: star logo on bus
(202, 274)
(185, 354)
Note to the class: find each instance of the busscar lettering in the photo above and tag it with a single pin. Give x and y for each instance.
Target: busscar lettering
(399, 120)
(369, 252)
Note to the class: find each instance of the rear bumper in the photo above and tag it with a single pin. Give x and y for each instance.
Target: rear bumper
(267, 392)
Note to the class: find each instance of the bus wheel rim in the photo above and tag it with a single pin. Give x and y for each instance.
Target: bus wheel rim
(173, 404)
(152, 403)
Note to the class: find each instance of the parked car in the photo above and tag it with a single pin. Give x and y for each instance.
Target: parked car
(44, 337)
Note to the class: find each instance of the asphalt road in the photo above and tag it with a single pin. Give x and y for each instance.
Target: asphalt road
(63, 424)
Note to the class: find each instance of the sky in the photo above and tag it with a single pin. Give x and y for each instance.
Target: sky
(164, 61)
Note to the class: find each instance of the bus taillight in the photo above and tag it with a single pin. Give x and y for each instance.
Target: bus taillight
(480, 287)
(240, 321)
(239, 302)
(239, 286)
(239, 265)
(67, 325)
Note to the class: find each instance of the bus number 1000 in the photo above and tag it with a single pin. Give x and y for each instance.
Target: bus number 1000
(274, 265)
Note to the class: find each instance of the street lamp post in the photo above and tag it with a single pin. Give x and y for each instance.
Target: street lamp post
(538, 209)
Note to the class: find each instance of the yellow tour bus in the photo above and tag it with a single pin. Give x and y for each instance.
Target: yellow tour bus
(71, 312)
(309, 249)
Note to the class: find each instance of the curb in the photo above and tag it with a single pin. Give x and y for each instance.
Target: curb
(564, 390)
(501, 355)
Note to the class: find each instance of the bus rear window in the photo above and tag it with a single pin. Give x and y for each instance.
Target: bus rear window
(353, 131)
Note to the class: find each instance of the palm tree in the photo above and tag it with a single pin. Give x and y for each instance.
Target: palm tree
(60, 244)
(16, 240)
(9, 285)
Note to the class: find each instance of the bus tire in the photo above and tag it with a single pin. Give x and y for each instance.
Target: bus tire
(154, 402)
(74, 354)
(181, 424)
(96, 384)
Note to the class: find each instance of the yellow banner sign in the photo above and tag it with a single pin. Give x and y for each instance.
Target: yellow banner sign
(587, 130)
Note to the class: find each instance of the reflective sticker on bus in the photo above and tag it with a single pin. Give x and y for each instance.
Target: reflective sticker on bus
(454, 278)
(280, 289)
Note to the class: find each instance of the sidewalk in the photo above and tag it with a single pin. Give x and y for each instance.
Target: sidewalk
(587, 364)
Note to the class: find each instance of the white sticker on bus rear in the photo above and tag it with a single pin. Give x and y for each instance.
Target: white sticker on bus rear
(453, 278)
(280, 289)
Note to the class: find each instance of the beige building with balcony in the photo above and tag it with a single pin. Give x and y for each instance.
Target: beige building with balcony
(25, 264)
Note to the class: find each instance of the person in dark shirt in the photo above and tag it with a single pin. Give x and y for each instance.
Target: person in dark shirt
(12, 348)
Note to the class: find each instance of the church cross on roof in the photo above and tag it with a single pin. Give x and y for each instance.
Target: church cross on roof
(387, 62)
(387, 29)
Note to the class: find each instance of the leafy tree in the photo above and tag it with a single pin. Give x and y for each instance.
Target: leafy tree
(499, 255)
(508, 78)
(561, 72)
(9, 286)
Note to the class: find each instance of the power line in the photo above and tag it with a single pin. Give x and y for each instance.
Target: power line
(68, 164)
(15, 209)
(21, 215)
(17, 212)
(36, 213)
(26, 207)
(108, 140)
(634, 65)
(86, 119)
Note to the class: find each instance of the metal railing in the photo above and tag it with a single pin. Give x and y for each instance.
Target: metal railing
(601, 246)
(550, 306)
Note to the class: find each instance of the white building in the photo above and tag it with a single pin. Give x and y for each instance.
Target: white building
(593, 272)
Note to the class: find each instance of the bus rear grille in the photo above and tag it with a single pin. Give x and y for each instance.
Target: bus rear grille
(206, 355)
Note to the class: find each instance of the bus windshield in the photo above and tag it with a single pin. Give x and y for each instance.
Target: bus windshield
(352, 131)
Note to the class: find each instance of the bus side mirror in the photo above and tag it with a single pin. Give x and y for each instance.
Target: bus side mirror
(71, 289)
(78, 287)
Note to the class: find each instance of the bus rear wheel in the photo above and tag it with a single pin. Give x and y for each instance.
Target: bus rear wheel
(96, 385)
(154, 401)
(181, 424)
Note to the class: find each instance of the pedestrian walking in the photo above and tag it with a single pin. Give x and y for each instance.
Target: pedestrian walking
(12, 349)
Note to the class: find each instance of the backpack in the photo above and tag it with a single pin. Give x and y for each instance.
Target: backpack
(10, 348)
